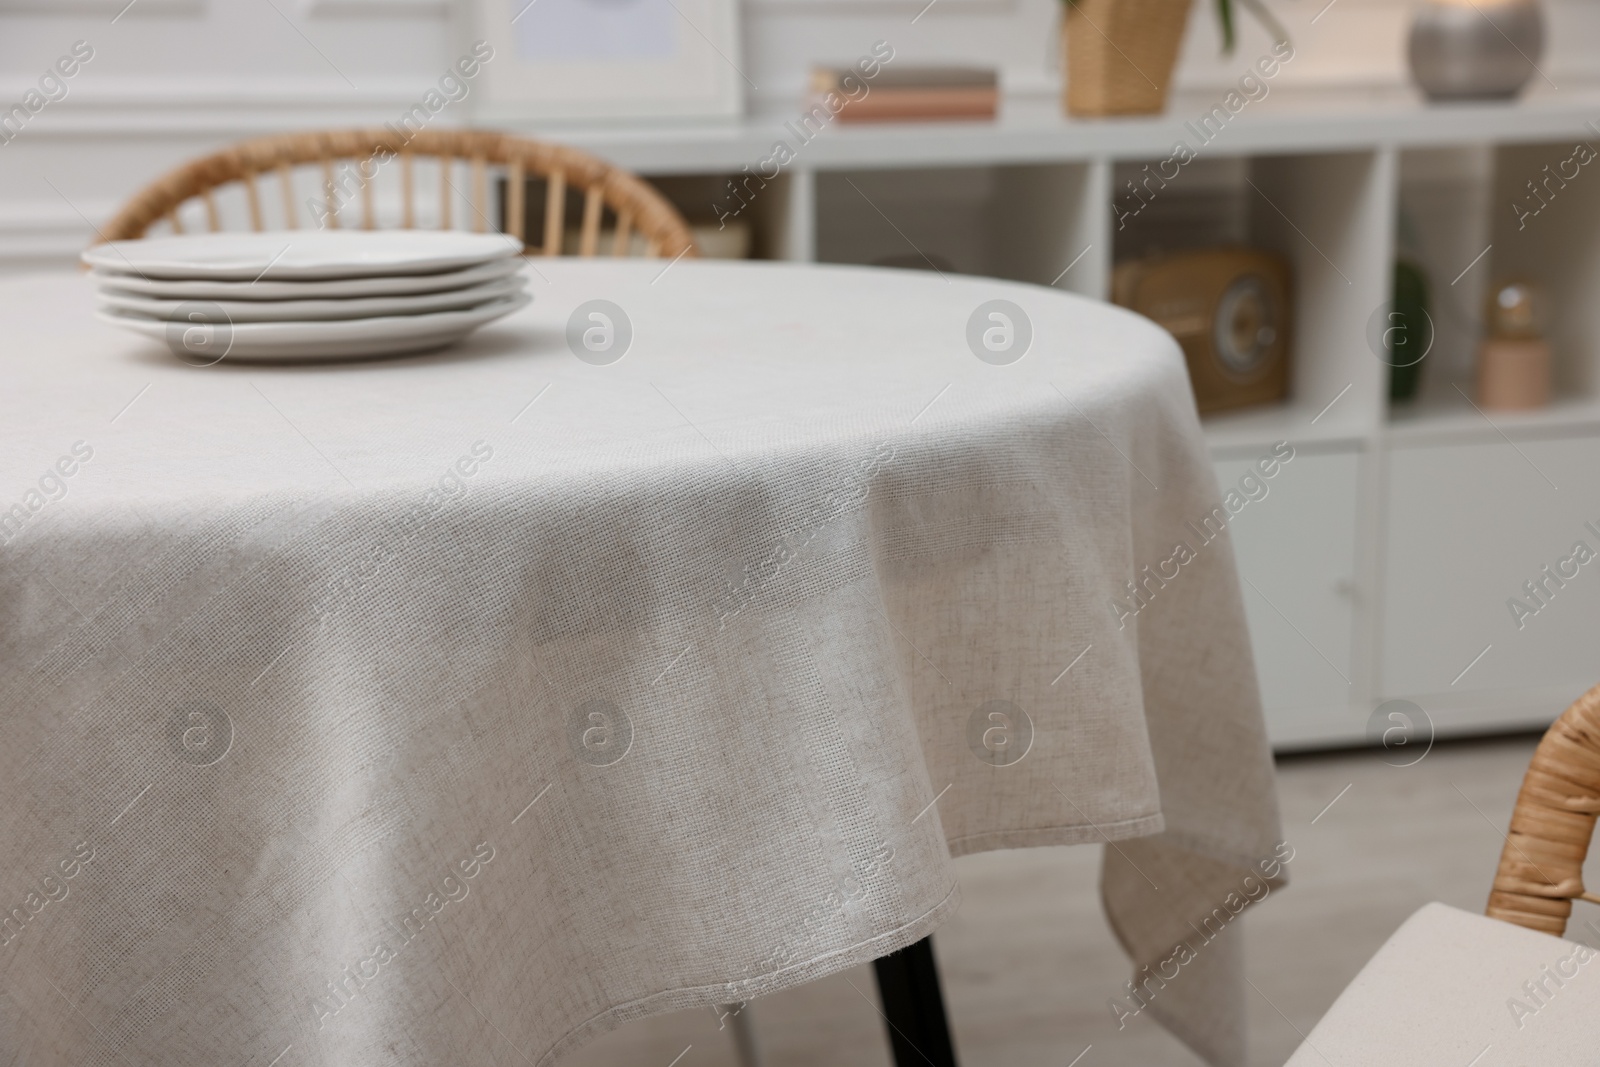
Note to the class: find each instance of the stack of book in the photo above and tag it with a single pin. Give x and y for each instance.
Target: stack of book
(908, 94)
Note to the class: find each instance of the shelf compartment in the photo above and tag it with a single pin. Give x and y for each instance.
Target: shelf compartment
(1040, 224)
(1331, 217)
(1559, 247)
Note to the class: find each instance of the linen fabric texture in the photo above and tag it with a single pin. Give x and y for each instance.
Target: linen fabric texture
(1450, 983)
(462, 707)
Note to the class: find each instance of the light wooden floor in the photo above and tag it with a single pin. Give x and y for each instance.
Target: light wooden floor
(1029, 963)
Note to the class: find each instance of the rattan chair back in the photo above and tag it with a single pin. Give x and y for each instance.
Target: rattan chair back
(630, 215)
(1541, 866)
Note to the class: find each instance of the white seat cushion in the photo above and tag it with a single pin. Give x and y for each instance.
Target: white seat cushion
(1451, 988)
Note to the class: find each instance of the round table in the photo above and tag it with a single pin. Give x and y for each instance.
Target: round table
(657, 647)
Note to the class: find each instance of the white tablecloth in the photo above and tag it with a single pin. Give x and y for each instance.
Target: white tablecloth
(395, 713)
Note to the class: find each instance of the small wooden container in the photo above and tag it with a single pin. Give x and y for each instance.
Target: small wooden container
(1513, 375)
(1514, 360)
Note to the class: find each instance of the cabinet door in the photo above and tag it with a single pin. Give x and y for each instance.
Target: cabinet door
(1466, 526)
(1296, 549)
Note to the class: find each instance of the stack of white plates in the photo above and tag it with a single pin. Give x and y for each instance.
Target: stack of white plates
(321, 294)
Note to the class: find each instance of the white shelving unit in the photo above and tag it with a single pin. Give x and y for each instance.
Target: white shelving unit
(1380, 566)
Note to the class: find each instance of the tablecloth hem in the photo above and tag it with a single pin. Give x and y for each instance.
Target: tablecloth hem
(734, 992)
(1251, 863)
(1044, 836)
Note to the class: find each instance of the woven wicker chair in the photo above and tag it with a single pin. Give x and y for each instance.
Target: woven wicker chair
(1449, 985)
(351, 162)
(1541, 867)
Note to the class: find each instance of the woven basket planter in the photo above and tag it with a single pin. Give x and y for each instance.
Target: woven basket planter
(1120, 54)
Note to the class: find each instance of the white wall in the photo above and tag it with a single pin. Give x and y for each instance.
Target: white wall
(175, 78)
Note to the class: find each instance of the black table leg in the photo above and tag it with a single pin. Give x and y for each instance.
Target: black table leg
(913, 1006)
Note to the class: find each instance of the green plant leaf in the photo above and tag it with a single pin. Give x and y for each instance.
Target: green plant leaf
(1225, 17)
(1267, 19)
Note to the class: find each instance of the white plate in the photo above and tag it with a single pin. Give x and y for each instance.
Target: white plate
(293, 342)
(301, 254)
(398, 285)
(370, 307)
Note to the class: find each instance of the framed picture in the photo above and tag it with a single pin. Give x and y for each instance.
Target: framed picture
(609, 59)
